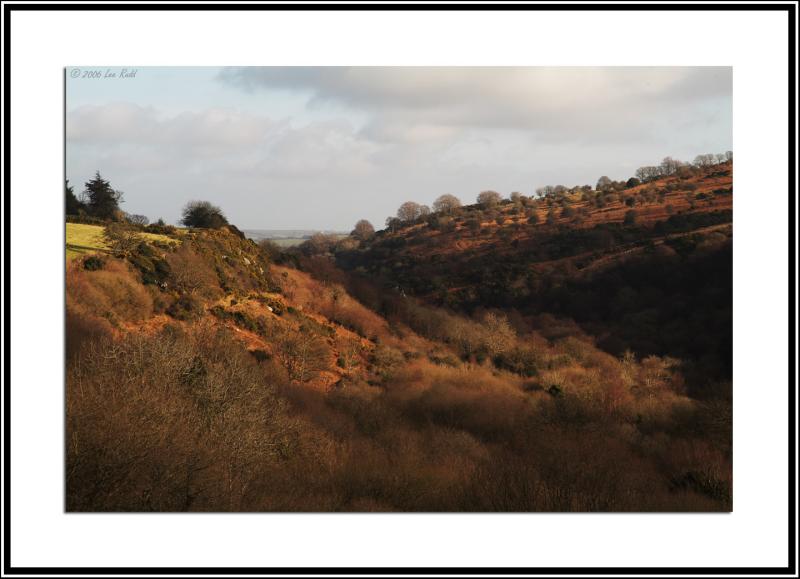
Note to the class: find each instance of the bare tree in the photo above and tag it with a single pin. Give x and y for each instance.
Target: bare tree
(303, 353)
(704, 160)
(489, 198)
(408, 211)
(603, 183)
(544, 191)
(446, 204)
(648, 173)
(363, 230)
(319, 243)
(669, 166)
(393, 224)
(138, 219)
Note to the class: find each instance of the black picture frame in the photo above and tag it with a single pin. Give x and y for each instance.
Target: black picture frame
(790, 11)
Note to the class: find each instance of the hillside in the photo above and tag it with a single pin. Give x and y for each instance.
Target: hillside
(645, 269)
(202, 375)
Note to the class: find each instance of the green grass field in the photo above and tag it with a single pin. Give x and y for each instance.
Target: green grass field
(83, 239)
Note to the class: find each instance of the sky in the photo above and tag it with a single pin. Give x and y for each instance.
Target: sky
(322, 147)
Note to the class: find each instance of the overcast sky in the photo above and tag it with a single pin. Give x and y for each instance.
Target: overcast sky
(320, 148)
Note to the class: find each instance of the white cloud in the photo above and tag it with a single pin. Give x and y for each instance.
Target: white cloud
(564, 100)
(362, 140)
(123, 122)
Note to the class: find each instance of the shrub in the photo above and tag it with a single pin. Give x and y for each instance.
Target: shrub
(121, 238)
(112, 293)
(520, 360)
(173, 422)
(386, 362)
(303, 353)
(152, 267)
(86, 219)
(260, 355)
(185, 307)
(191, 274)
(271, 249)
(161, 228)
(204, 215)
(93, 263)
(555, 390)
(83, 329)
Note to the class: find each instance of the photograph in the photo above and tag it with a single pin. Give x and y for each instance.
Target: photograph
(398, 289)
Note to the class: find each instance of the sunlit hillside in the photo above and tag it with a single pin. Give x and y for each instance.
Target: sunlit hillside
(433, 367)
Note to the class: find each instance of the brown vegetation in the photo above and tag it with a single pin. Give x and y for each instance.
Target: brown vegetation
(205, 377)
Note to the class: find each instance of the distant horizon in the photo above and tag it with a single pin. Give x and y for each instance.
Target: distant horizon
(296, 232)
(322, 147)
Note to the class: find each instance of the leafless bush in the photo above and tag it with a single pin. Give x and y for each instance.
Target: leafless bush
(303, 353)
(170, 422)
(191, 274)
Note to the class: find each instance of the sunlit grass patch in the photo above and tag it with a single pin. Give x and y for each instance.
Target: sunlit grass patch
(83, 239)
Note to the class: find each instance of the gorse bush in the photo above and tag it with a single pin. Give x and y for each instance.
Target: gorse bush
(204, 215)
(93, 263)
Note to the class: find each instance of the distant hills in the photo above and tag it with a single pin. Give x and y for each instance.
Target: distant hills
(259, 234)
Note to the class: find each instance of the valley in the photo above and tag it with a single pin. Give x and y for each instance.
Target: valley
(569, 351)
